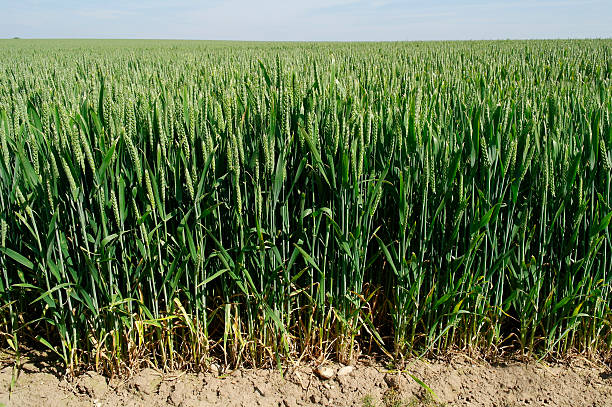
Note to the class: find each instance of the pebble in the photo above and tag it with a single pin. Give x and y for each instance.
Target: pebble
(346, 370)
(324, 372)
(215, 369)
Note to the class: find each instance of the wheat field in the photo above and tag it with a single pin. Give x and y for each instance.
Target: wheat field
(258, 203)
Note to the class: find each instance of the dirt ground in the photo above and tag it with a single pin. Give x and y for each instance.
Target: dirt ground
(458, 382)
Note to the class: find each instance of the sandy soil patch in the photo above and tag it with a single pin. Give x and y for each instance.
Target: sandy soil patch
(456, 383)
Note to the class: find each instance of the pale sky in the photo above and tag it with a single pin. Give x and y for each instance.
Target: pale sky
(316, 20)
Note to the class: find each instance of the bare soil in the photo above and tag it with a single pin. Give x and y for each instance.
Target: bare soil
(458, 382)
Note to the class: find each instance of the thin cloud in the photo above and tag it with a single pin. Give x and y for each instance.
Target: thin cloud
(104, 14)
(313, 20)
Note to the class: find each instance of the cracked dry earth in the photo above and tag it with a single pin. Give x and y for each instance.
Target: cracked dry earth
(456, 383)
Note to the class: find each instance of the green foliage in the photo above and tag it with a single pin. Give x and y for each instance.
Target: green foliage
(368, 401)
(258, 202)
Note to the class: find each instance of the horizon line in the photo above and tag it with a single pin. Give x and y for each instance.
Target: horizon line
(306, 41)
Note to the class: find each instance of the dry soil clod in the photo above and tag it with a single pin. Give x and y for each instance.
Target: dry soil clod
(92, 384)
(392, 380)
(147, 381)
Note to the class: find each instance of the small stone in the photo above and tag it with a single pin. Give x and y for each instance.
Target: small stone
(324, 372)
(346, 370)
(215, 369)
